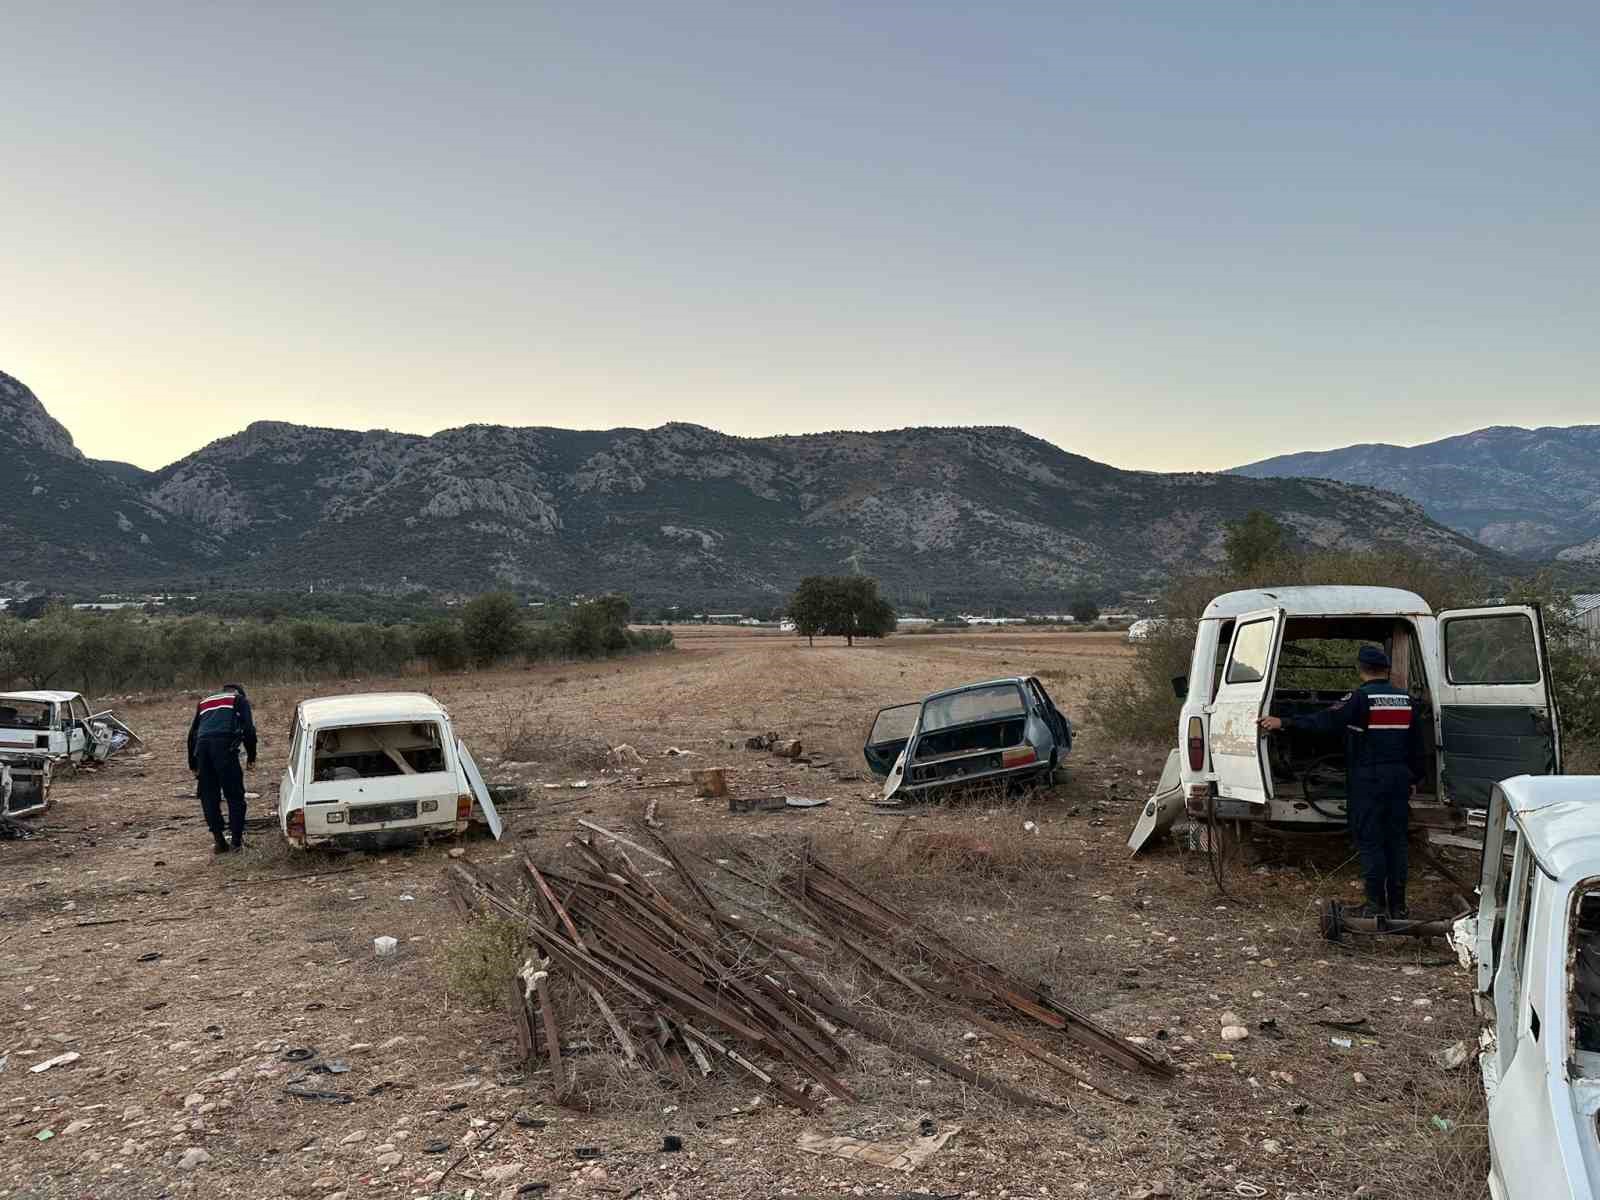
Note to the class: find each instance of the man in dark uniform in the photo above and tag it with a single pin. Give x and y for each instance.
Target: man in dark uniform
(1383, 764)
(222, 723)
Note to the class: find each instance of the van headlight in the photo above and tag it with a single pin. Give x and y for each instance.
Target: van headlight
(430, 806)
(335, 818)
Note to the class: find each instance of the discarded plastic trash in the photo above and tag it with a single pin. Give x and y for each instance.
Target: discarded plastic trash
(44, 1135)
(1342, 1043)
(1452, 1056)
(1443, 1124)
(384, 947)
(59, 1060)
(671, 1143)
(335, 1067)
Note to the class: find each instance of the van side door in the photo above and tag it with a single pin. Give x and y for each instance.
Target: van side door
(1497, 715)
(1237, 756)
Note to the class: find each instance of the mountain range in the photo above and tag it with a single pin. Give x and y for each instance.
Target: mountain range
(678, 512)
(1528, 492)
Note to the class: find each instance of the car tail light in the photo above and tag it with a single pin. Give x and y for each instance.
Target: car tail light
(1197, 745)
(296, 828)
(463, 808)
(1018, 756)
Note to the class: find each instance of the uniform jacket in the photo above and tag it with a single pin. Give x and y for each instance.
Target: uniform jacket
(223, 715)
(1381, 730)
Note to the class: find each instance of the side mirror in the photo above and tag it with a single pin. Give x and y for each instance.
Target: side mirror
(1180, 686)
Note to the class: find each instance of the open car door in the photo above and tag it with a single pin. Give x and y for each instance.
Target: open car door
(1053, 716)
(888, 736)
(1237, 753)
(1497, 716)
(111, 720)
(480, 790)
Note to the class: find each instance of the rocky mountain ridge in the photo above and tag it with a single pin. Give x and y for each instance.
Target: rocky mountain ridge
(684, 512)
(1530, 492)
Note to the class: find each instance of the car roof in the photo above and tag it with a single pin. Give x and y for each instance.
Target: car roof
(373, 707)
(1559, 815)
(969, 687)
(1320, 601)
(41, 697)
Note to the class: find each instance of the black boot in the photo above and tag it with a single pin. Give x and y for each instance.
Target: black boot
(221, 846)
(238, 841)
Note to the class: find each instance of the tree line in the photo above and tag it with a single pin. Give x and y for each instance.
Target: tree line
(101, 652)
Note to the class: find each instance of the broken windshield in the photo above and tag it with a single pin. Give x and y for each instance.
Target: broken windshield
(376, 751)
(24, 714)
(998, 702)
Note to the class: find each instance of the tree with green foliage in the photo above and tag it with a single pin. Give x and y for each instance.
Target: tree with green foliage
(846, 606)
(599, 627)
(492, 626)
(1085, 609)
(1258, 538)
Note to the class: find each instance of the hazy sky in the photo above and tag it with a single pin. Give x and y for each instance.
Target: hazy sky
(1172, 235)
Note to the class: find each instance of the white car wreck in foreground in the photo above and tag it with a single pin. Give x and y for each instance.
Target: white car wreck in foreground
(378, 770)
(1535, 944)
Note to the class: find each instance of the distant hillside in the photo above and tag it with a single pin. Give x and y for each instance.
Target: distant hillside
(65, 520)
(681, 511)
(1532, 492)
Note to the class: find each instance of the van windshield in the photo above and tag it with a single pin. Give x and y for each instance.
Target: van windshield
(376, 751)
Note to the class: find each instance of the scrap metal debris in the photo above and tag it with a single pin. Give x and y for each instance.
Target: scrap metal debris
(688, 988)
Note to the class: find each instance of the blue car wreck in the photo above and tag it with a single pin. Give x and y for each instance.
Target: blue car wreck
(1000, 731)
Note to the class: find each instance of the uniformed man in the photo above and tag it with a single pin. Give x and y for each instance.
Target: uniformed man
(1383, 765)
(222, 724)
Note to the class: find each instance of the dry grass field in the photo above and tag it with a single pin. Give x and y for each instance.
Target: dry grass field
(181, 979)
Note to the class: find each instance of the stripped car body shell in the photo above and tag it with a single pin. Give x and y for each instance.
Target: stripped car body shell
(994, 731)
(44, 731)
(378, 770)
(1534, 946)
(1479, 681)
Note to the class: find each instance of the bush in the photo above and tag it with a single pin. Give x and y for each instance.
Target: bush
(483, 959)
(443, 645)
(492, 626)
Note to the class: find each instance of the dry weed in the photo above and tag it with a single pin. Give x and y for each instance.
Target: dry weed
(526, 734)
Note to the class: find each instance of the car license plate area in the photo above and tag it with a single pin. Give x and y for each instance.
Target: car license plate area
(377, 814)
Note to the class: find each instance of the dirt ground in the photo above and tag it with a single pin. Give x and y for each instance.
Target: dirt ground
(181, 978)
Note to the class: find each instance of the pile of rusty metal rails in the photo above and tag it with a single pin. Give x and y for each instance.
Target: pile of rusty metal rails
(687, 986)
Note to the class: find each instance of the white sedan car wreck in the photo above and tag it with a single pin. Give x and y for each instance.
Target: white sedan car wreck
(378, 770)
(42, 732)
(1535, 944)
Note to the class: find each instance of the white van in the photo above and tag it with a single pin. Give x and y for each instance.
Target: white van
(1479, 679)
(377, 770)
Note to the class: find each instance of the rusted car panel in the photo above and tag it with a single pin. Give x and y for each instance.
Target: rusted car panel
(993, 731)
(1535, 947)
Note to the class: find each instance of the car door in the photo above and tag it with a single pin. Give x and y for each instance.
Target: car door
(75, 719)
(891, 730)
(479, 789)
(1497, 715)
(1237, 756)
(1053, 716)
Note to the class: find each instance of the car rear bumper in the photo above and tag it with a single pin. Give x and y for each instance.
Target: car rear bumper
(381, 839)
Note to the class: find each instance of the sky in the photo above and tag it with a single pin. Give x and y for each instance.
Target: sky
(1173, 236)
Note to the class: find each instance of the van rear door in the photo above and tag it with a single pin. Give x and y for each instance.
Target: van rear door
(888, 736)
(1237, 757)
(1497, 716)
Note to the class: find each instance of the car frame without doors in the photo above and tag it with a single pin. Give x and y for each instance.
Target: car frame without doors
(41, 731)
(378, 770)
(992, 732)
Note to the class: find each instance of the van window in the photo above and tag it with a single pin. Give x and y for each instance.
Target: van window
(1491, 649)
(1251, 649)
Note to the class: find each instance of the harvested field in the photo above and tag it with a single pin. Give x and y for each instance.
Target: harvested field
(266, 952)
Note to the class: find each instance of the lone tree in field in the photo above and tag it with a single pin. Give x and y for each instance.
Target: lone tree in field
(1084, 610)
(492, 626)
(1255, 540)
(846, 606)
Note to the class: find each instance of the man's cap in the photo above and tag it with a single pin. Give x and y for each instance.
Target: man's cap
(1373, 658)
